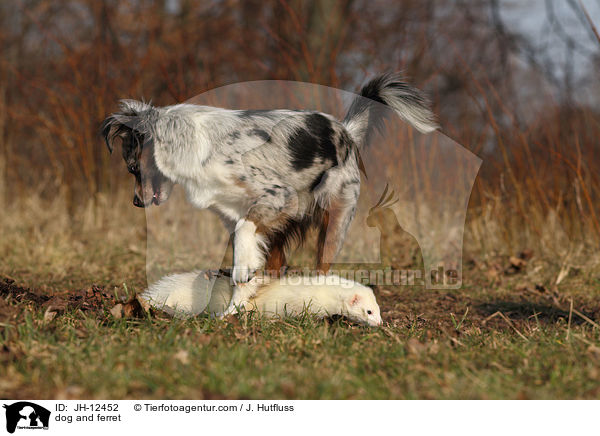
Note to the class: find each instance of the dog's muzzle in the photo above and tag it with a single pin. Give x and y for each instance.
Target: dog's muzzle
(137, 201)
(157, 199)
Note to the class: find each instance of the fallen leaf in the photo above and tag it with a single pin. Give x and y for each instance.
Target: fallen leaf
(517, 262)
(134, 307)
(54, 307)
(49, 315)
(183, 356)
(144, 303)
(117, 311)
(516, 265)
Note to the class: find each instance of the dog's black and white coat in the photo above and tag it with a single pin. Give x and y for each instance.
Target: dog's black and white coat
(269, 174)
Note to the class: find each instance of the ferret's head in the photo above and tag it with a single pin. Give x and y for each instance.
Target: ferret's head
(361, 306)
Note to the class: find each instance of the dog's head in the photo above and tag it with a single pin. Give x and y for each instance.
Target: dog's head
(132, 126)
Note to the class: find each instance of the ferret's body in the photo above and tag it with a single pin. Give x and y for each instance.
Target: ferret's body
(192, 293)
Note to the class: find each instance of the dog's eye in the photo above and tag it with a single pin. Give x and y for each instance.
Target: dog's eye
(132, 168)
(369, 312)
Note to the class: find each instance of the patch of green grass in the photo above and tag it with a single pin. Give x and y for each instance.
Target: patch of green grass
(75, 356)
(500, 336)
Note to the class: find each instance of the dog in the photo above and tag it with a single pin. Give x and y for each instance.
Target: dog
(269, 174)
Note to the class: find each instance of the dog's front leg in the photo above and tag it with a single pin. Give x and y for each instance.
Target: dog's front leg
(248, 251)
(242, 292)
(248, 256)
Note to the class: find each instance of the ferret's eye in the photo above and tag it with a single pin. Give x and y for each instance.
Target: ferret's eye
(369, 312)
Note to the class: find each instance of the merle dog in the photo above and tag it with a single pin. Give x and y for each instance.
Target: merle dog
(269, 174)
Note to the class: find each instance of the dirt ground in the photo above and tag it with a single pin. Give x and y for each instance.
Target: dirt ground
(513, 303)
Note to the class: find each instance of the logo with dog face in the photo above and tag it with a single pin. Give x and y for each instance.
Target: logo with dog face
(26, 415)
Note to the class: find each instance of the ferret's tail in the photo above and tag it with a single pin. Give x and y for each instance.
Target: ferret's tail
(366, 113)
(188, 294)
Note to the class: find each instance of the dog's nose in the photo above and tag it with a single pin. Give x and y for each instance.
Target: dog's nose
(137, 201)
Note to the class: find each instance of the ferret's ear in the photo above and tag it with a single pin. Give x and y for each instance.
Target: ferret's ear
(354, 300)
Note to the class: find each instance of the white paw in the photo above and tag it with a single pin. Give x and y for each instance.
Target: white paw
(248, 254)
(242, 293)
(241, 274)
(231, 310)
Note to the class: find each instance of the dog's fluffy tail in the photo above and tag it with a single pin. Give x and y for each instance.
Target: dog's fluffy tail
(367, 112)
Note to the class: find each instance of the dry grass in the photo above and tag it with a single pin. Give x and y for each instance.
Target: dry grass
(510, 332)
(46, 246)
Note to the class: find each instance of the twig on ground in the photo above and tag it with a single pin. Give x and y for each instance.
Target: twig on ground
(508, 321)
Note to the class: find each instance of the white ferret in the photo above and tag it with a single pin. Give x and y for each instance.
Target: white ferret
(192, 293)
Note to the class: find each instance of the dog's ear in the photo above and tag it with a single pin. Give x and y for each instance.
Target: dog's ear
(113, 126)
(133, 116)
(134, 107)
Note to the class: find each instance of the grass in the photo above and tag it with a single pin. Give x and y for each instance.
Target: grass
(77, 356)
(508, 333)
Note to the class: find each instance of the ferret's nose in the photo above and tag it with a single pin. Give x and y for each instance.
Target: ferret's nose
(375, 322)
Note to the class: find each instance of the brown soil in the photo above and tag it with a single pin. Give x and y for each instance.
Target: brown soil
(402, 306)
(93, 300)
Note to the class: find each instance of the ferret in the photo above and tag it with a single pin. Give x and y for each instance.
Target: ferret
(192, 293)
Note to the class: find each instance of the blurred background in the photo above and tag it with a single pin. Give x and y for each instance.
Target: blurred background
(515, 82)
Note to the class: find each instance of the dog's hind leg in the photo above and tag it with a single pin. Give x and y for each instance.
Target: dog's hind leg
(276, 261)
(333, 229)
